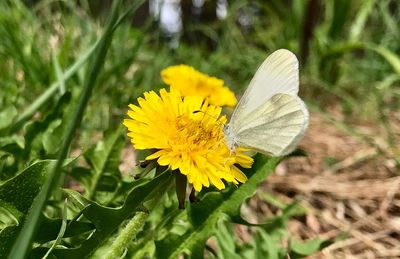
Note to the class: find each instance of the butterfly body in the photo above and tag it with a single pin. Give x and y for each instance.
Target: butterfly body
(230, 139)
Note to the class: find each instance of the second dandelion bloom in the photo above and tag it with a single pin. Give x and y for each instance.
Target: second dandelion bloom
(190, 82)
(186, 134)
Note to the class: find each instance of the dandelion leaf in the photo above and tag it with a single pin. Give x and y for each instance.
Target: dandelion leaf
(205, 214)
(302, 249)
(107, 219)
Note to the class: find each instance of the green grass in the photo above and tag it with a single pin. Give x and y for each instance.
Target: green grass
(341, 60)
(348, 59)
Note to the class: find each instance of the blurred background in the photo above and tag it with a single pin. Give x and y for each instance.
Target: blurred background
(350, 76)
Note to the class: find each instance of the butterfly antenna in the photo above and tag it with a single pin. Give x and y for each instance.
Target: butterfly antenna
(199, 111)
(215, 118)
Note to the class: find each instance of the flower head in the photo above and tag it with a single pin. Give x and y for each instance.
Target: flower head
(190, 82)
(186, 133)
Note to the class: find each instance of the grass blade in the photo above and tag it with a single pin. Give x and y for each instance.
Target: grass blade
(46, 95)
(359, 24)
(388, 55)
(59, 73)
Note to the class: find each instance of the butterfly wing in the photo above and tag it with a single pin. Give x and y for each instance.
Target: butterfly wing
(274, 128)
(279, 73)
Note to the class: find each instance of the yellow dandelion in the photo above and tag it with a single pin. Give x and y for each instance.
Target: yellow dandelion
(186, 133)
(190, 82)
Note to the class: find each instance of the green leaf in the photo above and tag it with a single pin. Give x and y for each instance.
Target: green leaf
(7, 116)
(53, 226)
(13, 144)
(23, 188)
(81, 175)
(17, 195)
(388, 55)
(205, 214)
(273, 223)
(11, 151)
(9, 216)
(62, 230)
(106, 219)
(104, 158)
(43, 136)
(266, 246)
(51, 137)
(16, 198)
(226, 241)
(299, 250)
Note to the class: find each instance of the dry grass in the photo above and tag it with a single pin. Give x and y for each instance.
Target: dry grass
(348, 186)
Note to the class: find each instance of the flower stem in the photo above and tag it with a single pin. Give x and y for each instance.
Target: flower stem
(126, 235)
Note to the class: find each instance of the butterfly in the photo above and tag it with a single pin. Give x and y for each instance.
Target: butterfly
(270, 118)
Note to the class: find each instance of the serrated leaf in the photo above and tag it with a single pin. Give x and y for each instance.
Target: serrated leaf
(107, 219)
(17, 195)
(19, 192)
(52, 227)
(205, 214)
(275, 222)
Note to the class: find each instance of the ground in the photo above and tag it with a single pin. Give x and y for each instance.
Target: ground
(349, 185)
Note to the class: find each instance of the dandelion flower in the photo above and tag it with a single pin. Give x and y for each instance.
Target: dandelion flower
(186, 134)
(190, 82)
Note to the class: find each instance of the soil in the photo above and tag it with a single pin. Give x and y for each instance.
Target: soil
(349, 184)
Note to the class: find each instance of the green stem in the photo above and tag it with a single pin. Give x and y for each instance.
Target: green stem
(126, 235)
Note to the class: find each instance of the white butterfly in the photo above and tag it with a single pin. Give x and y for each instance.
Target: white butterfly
(270, 118)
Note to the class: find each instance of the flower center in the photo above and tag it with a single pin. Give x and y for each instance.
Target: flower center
(195, 133)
